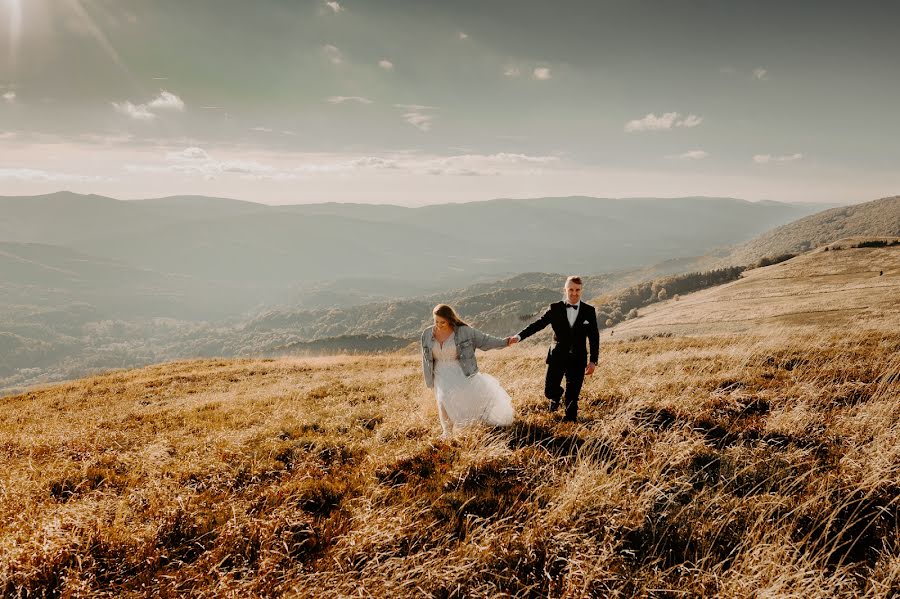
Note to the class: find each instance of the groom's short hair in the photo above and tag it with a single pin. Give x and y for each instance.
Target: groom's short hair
(574, 279)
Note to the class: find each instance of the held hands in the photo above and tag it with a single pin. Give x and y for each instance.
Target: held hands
(590, 369)
(511, 341)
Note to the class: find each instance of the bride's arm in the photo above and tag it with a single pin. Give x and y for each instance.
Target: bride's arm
(485, 341)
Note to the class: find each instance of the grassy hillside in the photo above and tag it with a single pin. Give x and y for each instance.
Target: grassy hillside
(835, 286)
(878, 217)
(764, 462)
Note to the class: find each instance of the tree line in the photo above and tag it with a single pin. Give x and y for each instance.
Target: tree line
(624, 305)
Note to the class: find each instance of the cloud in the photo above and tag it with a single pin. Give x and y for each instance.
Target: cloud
(335, 6)
(333, 54)
(167, 101)
(419, 120)
(541, 73)
(342, 99)
(387, 65)
(188, 154)
(414, 107)
(484, 165)
(691, 120)
(356, 164)
(668, 120)
(766, 158)
(141, 112)
(462, 172)
(138, 112)
(10, 97)
(468, 165)
(691, 155)
(508, 158)
(36, 175)
(245, 167)
(512, 71)
(262, 129)
(463, 36)
(760, 73)
(416, 116)
(197, 161)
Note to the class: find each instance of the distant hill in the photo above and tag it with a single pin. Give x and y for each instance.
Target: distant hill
(839, 286)
(280, 248)
(875, 218)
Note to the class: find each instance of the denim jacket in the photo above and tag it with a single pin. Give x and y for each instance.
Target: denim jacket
(466, 339)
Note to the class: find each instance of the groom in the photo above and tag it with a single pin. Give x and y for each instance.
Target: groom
(574, 322)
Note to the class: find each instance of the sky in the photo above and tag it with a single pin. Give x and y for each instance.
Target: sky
(415, 102)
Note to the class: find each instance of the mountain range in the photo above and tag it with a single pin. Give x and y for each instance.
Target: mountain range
(91, 283)
(230, 255)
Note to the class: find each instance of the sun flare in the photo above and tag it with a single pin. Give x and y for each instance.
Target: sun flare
(14, 12)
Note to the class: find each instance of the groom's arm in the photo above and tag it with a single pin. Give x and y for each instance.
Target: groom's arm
(538, 325)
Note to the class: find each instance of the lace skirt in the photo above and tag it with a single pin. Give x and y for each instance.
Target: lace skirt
(467, 400)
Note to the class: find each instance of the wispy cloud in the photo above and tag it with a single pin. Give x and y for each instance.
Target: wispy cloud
(760, 73)
(419, 120)
(141, 112)
(343, 99)
(462, 165)
(138, 112)
(10, 97)
(512, 71)
(197, 161)
(335, 6)
(37, 175)
(343, 166)
(766, 158)
(541, 73)
(415, 107)
(691, 155)
(167, 101)
(480, 165)
(262, 129)
(188, 154)
(387, 65)
(463, 36)
(668, 120)
(416, 116)
(333, 54)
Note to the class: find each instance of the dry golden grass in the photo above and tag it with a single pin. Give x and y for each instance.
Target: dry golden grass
(857, 288)
(757, 464)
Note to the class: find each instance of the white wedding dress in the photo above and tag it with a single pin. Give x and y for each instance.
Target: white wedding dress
(466, 400)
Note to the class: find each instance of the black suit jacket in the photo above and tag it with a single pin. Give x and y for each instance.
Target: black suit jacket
(569, 340)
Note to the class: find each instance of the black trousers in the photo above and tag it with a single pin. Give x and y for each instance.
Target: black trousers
(572, 368)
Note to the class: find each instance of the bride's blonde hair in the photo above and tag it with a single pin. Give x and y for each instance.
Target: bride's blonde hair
(449, 314)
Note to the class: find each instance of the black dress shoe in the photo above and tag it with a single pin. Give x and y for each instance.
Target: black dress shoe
(554, 405)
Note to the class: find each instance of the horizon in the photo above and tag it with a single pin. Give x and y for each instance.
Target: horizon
(413, 206)
(413, 104)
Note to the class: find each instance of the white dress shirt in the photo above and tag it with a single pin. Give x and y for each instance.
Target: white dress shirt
(571, 314)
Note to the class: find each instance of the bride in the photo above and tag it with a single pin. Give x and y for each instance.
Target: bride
(464, 395)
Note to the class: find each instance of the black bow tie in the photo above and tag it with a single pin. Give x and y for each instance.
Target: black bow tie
(573, 306)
